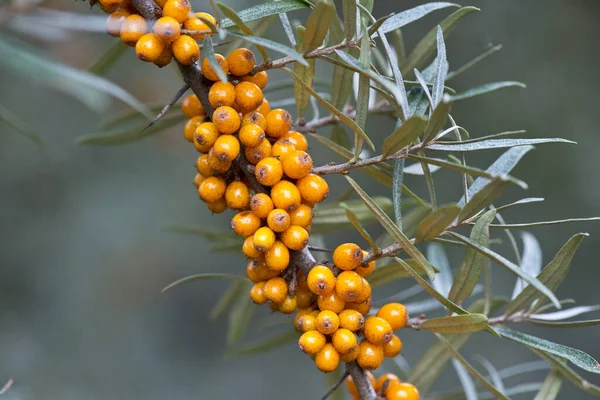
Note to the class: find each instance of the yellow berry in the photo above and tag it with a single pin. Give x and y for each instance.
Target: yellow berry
(282, 149)
(347, 256)
(209, 72)
(328, 359)
(241, 61)
(351, 386)
(297, 139)
(331, 302)
(255, 154)
(263, 239)
(278, 220)
(260, 79)
(115, 21)
(186, 50)
(344, 341)
(264, 108)
(255, 118)
(297, 165)
(167, 28)
(301, 216)
(261, 205)
(165, 57)
(307, 322)
(190, 128)
(251, 135)
(257, 293)
(205, 137)
(277, 257)
(365, 294)
(402, 391)
(217, 164)
(362, 308)
(226, 119)
(365, 270)
(192, 107)
(279, 122)
(237, 195)
(245, 223)
(248, 96)
(288, 306)
(378, 330)
(226, 148)
(177, 9)
(221, 94)
(352, 320)
(370, 356)
(248, 248)
(212, 189)
(313, 188)
(276, 290)
(285, 195)
(311, 342)
(327, 322)
(349, 286)
(295, 237)
(304, 298)
(321, 280)
(388, 377)
(395, 314)
(268, 171)
(393, 347)
(132, 29)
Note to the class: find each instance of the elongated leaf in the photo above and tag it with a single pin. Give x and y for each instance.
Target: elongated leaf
(577, 357)
(487, 175)
(522, 201)
(474, 373)
(401, 103)
(493, 374)
(500, 135)
(318, 24)
(483, 198)
(307, 75)
(455, 324)
(357, 225)
(403, 135)
(438, 258)
(406, 17)
(533, 281)
(424, 49)
(235, 290)
(568, 372)
(91, 89)
(209, 53)
(237, 20)
(531, 261)
(494, 144)
(483, 89)
(204, 276)
(552, 275)
(349, 11)
(343, 117)
(264, 345)
(123, 135)
(437, 120)
(397, 190)
(503, 165)
(473, 62)
(417, 169)
(442, 62)
(473, 262)
(565, 324)
(273, 46)
(467, 383)
(332, 217)
(424, 86)
(109, 58)
(565, 314)
(363, 95)
(393, 271)
(393, 229)
(240, 316)
(18, 125)
(543, 223)
(551, 386)
(436, 222)
(266, 9)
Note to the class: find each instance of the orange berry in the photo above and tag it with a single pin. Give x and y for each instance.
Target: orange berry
(115, 21)
(349, 285)
(331, 302)
(241, 61)
(167, 28)
(327, 322)
(248, 248)
(226, 148)
(304, 298)
(237, 195)
(401, 391)
(255, 154)
(252, 135)
(177, 9)
(297, 139)
(282, 149)
(288, 306)
(301, 216)
(264, 108)
(347, 358)
(255, 118)
(205, 137)
(190, 128)
(297, 165)
(388, 377)
(149, 47)
(132, 29)
(217, 164)
(321, 280)
(257, 271)
(186, 50)
(217, 207)
(351, 386)
(307, 322)
(165, 57)
(295, 237)
(301, 312)
(202, 166)
(352, 320)
(226, 119)
(263, 239)
(209, 72)
(277, 257)
(276, 290)
(221, 94)
(364, 270)
(248, 96)
(198, 179)
(311, 342)
(378, 330)
(261, 205)
(245, 223)
(268, 172)
(196, 23)
(109, 6)
(362, 308)
(328, 359)
(370, 356)
(260, 79)
(395, 314)
(393, 347)
(161, 3)
(365, 294)
(278, 220)
(313, 188)
(347, 256)
(279, 122)
(212, 189)
(285, 195)
(206, 16)
(192, 107)
(344, 341)
(257, 293)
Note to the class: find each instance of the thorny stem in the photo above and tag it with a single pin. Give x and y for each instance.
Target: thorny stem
(337, 385)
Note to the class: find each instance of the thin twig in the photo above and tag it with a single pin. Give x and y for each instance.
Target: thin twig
(334, 387)
(321, 249)
(168, 106)
(363, 385)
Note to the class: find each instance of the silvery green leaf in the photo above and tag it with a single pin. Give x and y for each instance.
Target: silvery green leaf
(266, 9)
(561, 365)
(493, 144)
(417, 169)
(406, 17)
(109, 58)
(483, 89)
(440, 76)
(438, 258)
(493, 374)
(469, 389)
(398, 178)
(543, 223)
(531, 260)
(455, 324)
(522, 201)
(318, 24)
(565, 314)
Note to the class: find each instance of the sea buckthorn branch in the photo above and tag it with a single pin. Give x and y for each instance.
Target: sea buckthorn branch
(335, 386)
(363, 385)
(147, 9)
(345, 167)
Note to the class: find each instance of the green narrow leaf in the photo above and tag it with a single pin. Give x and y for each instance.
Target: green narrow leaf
(307, 75)
(402, 100)
(577, 357)
(399, 46)
(318, 24)
(493, 374)
(273, 46)
(562, 367)
(18, 125)
(357, 225)
(287, 27)
(417, 102)
(406, 17)
(196, 277)
(455, 324)
(266, 9)
(240, 316)
(474, 62)
(438, 258)
(343, 117)
(392, 229)
(483, 89)
(424, 86)
(473, 262)
(440, 76)
(334, 216)
(109, 58)
(437, 120)
(341, 81)
(552, 275)
(436, 222)
(209, 53)
(543, 223)
(393, 271)
(500, 135)
(467, 383)
(551, 386)
(564, 324)
(397, 190)
(264, 345)
(483, 198)
(362, 98)
(237, 20)
(349, 11)
(474, 373)
(404, 135)
(493, 144)
(234, 290)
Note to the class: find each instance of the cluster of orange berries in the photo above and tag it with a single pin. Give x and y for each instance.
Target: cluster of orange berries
(159, 42)
(387, 386)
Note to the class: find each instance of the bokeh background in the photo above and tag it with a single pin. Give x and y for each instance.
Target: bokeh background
(83, 257)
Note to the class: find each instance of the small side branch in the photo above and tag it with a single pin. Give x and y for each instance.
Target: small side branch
(334, 387)
(168, 106)
(192, 76)
(363, 385)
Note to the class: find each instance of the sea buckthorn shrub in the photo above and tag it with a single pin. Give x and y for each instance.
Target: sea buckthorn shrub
(254, 158)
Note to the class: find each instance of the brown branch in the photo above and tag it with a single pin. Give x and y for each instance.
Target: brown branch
(302, 259)
(147, 9)
(363, 385)
(192, 76)
(334, 387)
(343, 168)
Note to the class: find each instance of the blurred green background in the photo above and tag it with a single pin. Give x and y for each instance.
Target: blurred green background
(83, 258)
